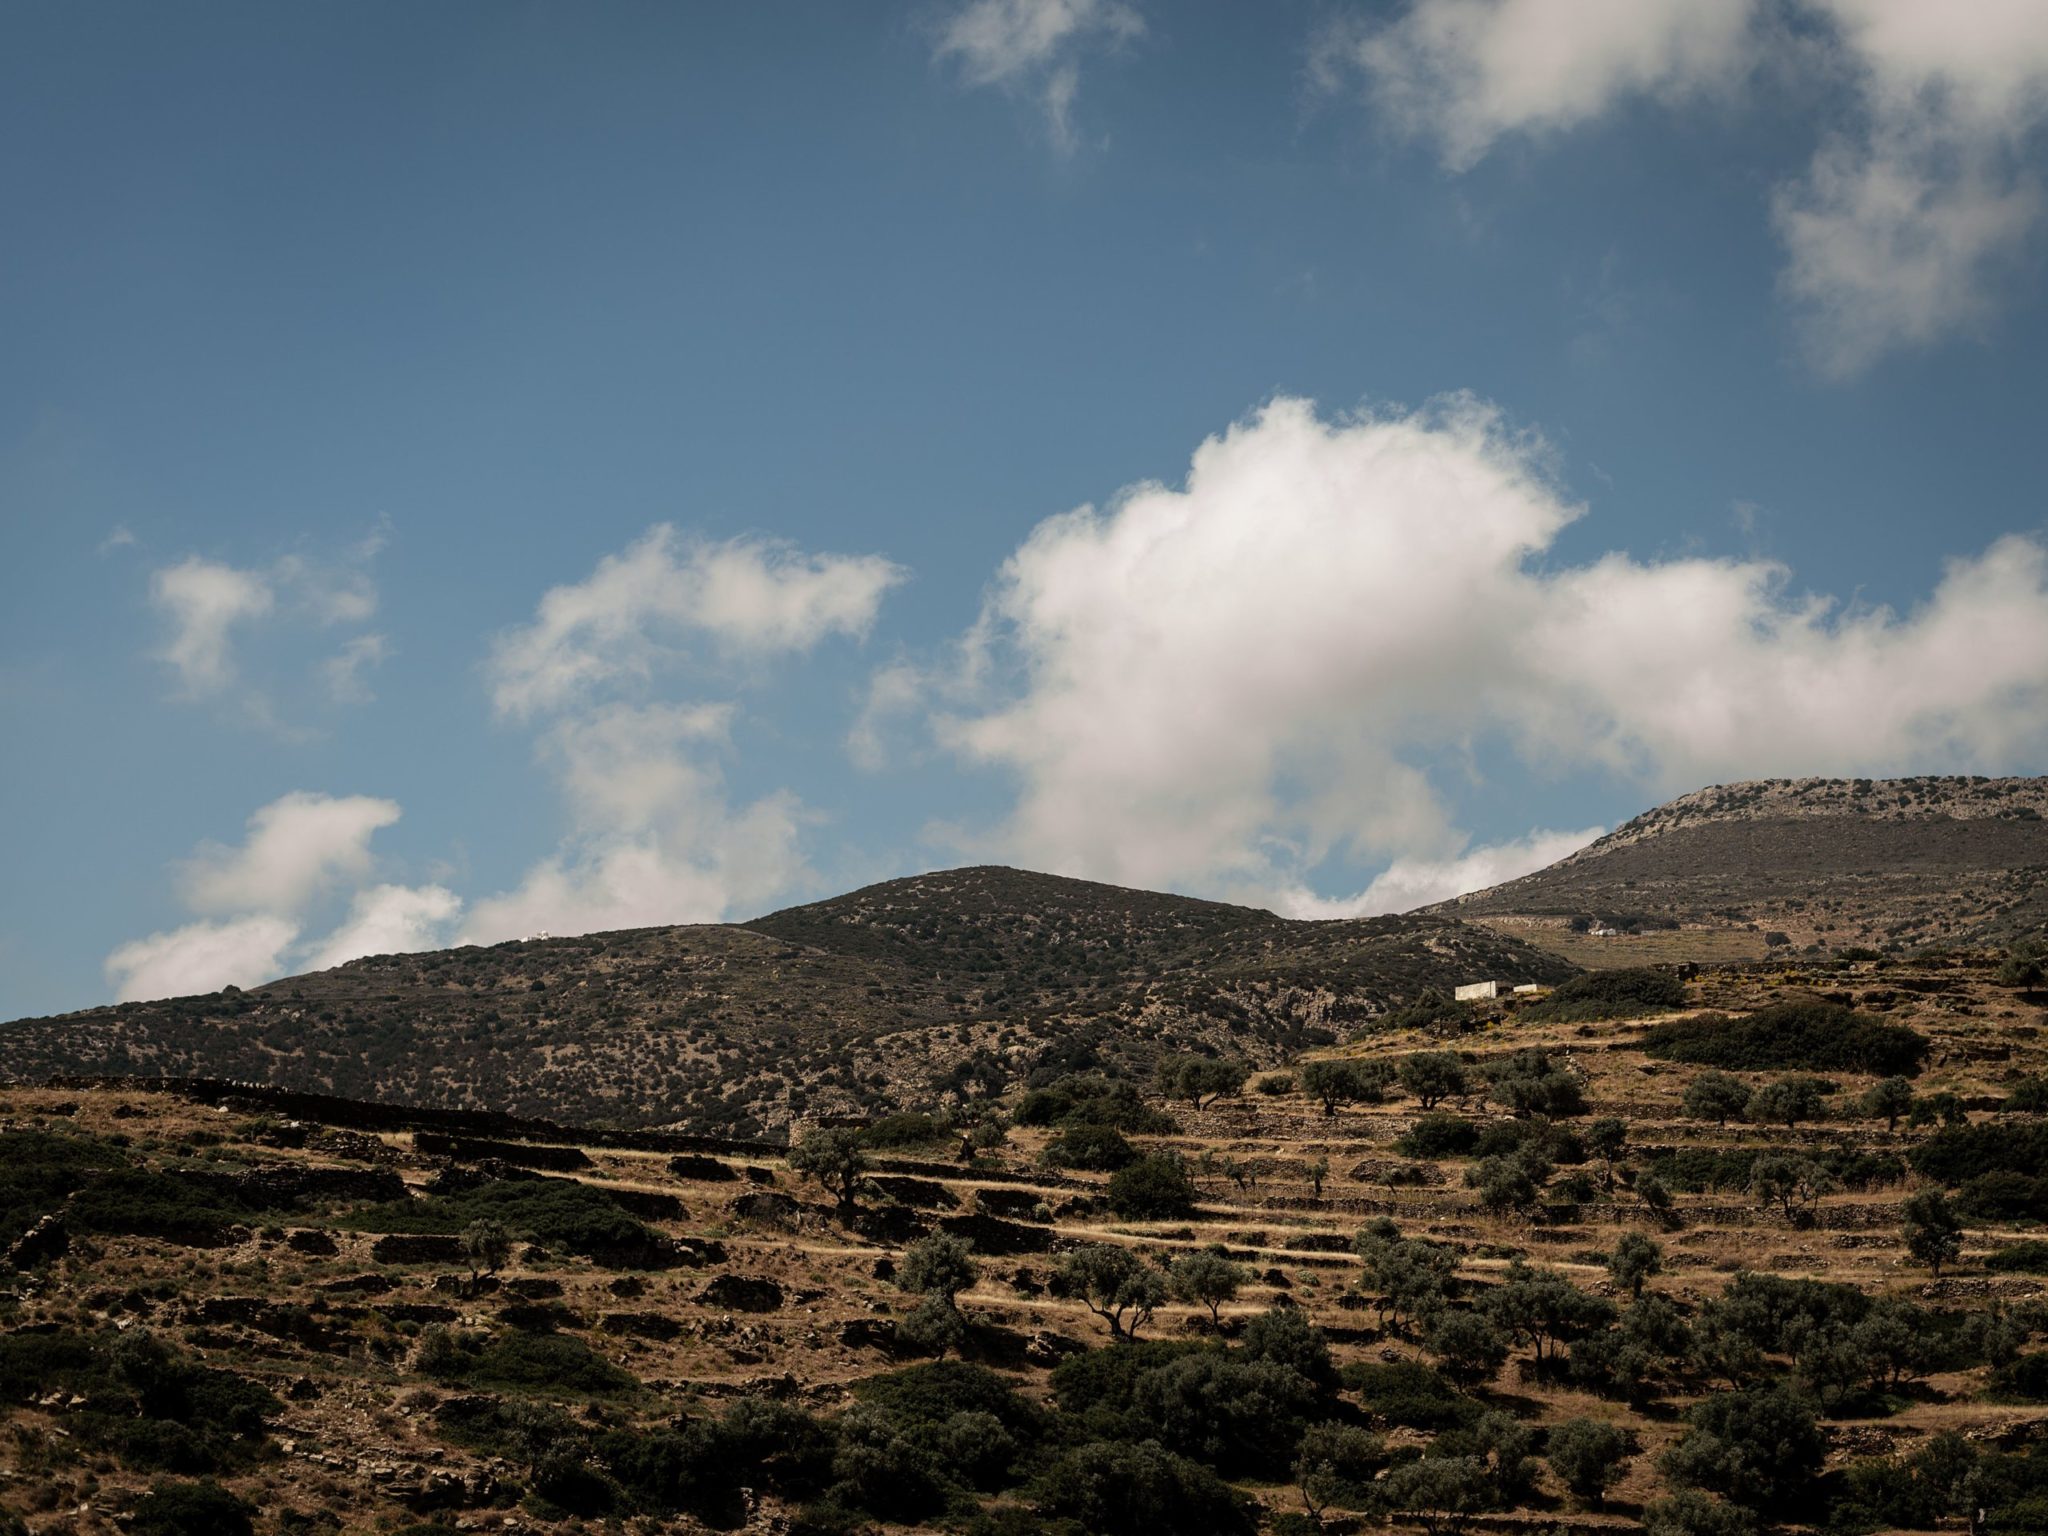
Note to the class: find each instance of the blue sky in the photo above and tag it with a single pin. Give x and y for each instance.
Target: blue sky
(1600, 401)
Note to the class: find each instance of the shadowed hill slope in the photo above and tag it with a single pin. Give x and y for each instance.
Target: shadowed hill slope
(1879, 863)
(865, 1002)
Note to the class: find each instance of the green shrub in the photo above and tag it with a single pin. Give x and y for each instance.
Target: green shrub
(1409, 1393)
(1092, 1100)
(1761, 1448)
(144, 1204)
(1103, 1380)
(1098, 1148)
(895, 1132)
(148, 1402)
(1154, 1188)
(531, 1361)
(1140, 1490)
(2004, 1196)
(1815, 1036)
(1702, 1169)
(1242, 1416)
(1432, 1010)
(1962, 1152)
(2027, 1258)
(40, 1169)
(191, 1509)
(1439, 1135)
(1618, 994)
(932, 1394)
(561, 1213)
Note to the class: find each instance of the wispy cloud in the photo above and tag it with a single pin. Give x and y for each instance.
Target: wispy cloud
(1919, 203)
(208, 607)
(748, 598)
(1035, 48)
(655, 837)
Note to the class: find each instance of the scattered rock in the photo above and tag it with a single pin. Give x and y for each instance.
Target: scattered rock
(48, 1239)
(1048, 1349)
(769, 1207)
(897, 1225)
(869, 1333)
(923, 1194)
(647, 1204)
(641, 1325)
(992, 1236)
(742, 1293)
(417, 1248)
(701, 1169)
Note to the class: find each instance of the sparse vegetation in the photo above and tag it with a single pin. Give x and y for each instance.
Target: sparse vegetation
(1512, 1330)
(1815, 1036)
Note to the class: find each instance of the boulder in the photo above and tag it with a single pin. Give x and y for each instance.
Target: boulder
(48, 1239)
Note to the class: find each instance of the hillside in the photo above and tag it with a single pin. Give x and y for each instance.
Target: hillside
(1537, 1289)
(1736, 869)
(870, 1000)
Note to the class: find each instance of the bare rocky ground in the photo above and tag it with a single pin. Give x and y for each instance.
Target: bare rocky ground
(767, 1292)
(1735, 871)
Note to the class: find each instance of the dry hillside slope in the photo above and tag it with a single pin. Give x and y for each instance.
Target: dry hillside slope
(875, 999)
(1731, 871)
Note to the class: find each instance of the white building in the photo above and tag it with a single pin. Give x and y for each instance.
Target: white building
(1477, 991)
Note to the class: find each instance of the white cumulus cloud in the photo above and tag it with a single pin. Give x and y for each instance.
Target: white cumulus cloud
(302, 851)
(389, 920)
(1409, 883)
(1222, 685)
(1035, 46)
(655, 837)
(201, 957)
(298, 845)
(1468, 72)
(747, 597)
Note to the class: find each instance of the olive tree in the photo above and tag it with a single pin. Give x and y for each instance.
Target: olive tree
(1338, 1080)
(1114, 1284)
(940, 1266)
(1715, 1096)
(1889, 1101)
(1933, 1233)
(1791, 1100)
(1207, 1279)
(1336, 1465)
(1587, 1455)
(834, 1158)
(1433, 1076)
(486, 1246)
(1794, 1184)
(1607, 1139)
(1201, 1079)
(1635, 1259)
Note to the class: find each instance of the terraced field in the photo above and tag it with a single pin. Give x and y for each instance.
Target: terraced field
(680, 1335)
